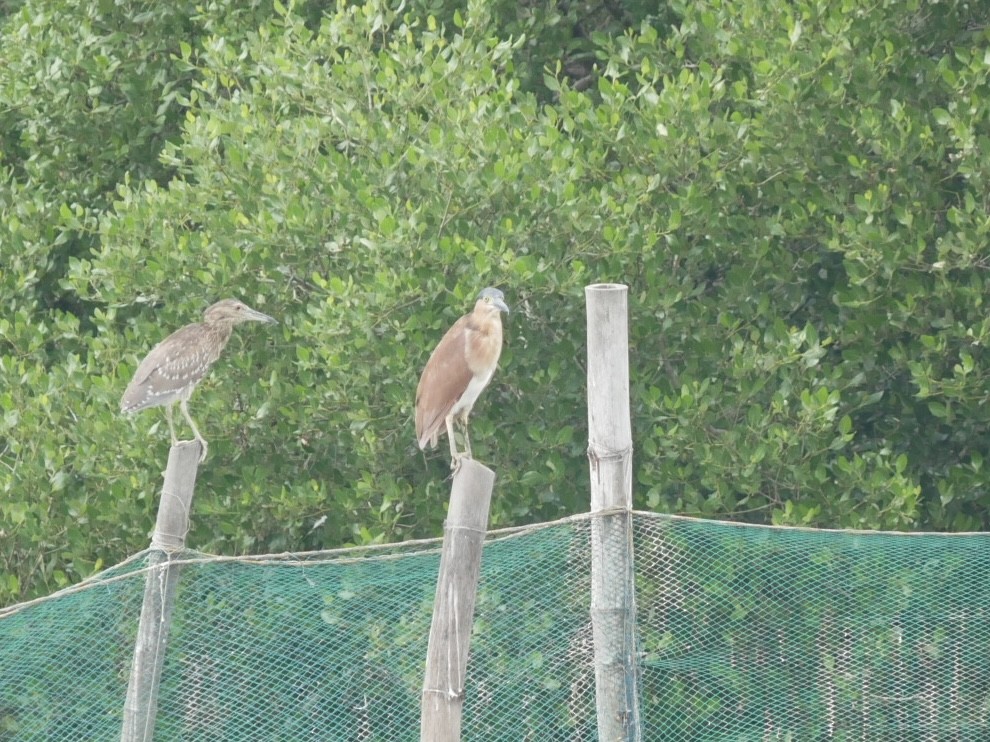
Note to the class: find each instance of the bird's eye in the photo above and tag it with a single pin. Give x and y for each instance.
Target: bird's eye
(488, 300)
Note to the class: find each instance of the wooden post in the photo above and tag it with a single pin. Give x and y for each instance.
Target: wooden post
(613, 600)
(453, 607)
(141, 705)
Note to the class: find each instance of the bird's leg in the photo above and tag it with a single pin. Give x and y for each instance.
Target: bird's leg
(467, 440)
(455, 456)
(171, 425)
(195, 430)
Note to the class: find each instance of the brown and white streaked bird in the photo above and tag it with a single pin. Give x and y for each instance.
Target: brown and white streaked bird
(174, 367)
(458, 371)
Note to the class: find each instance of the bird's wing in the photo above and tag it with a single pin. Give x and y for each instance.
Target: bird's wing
(169, 358)
(442, 383)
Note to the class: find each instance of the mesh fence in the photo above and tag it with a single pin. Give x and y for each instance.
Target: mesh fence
(745, 633)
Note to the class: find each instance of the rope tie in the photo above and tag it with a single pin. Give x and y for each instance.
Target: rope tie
(172, 542)
(597, 456)
(450, 693)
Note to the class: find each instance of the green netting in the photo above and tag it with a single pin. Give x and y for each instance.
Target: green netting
(745, 633)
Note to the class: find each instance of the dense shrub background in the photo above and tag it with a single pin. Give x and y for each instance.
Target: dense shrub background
(795, 193)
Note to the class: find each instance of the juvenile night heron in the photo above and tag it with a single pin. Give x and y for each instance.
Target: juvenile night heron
(458, 370)
(170, 372)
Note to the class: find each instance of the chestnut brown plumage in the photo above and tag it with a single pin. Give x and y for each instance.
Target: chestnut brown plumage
(459, 369)
(174, 367)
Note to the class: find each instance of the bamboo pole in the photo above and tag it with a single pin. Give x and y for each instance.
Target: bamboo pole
(141, 706)
(453, 607)
(613, 601)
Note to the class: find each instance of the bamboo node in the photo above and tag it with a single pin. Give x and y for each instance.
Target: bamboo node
(449, 694)
(470, 529)
(596, 455)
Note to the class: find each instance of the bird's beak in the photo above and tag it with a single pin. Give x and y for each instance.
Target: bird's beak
(255, 316)
(501, 306)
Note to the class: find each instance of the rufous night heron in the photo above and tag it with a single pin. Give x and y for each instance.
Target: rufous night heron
(458, 370)
(174, 367)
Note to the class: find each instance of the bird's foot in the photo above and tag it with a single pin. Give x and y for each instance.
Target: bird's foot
(455, 462)
(202, 446)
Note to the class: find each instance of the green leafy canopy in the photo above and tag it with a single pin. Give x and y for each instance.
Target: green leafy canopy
(793, 192)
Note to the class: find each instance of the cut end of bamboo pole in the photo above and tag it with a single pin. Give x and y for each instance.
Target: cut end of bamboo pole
(613, 601)
(606, 287)
(471, 480)
(171, 526)
(453, 606)
(174, 509)
(185, 449)
(609, 426)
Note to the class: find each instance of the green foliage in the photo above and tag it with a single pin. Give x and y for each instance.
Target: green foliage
(794, 193)
(88, 96)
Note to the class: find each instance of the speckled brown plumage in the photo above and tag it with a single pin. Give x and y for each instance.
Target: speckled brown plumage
(170, 372)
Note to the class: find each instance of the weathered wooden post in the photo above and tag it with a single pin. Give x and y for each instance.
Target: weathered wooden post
(453, 608)
(613, 600)
(141, 705)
